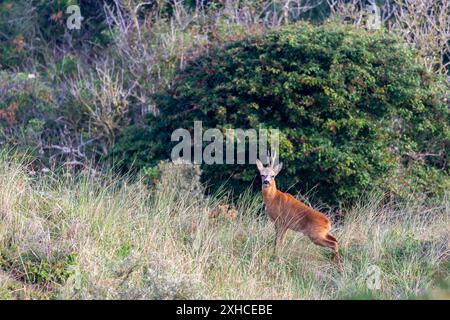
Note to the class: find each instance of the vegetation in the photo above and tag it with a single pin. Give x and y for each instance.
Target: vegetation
(350, 106)
(81, 236)
(89, 210)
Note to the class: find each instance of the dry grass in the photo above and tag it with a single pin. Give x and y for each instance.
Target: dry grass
(82, 237)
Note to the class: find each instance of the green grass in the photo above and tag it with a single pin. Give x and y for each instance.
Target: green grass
(86, 237)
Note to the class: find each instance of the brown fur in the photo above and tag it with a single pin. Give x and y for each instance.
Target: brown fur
(289, 213)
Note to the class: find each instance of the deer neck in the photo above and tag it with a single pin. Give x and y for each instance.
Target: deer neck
(269, 193)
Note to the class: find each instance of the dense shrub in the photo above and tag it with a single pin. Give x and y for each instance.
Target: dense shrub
(58, 97)
(25, 104)
(32, 29)
(352, 107)
(64, 101)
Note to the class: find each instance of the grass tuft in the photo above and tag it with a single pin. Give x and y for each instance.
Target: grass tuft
(104, 237)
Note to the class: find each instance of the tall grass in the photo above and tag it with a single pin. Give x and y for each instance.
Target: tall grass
(89, 237)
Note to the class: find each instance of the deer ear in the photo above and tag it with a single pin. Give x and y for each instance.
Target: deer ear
(259, 165)
(278, 168)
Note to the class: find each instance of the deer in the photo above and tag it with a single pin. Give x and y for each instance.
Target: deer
(288, 212)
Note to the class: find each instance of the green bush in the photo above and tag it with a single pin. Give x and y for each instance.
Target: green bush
(32, 29)
(38, 270)
(352, 107)
(26, 104)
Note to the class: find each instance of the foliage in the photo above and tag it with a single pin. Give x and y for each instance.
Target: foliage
(350, 106)
(67, 94)
(89, 96)
(31, 30)
(37, 270)
(18, 92)
(99, 237)
(41, 60)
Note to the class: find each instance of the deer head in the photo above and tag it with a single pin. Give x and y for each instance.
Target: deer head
(269, 173)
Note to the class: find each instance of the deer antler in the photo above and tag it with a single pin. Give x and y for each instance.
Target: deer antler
(271, 158)
(274, 157)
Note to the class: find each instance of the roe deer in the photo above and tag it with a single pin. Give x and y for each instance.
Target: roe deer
(289, 213)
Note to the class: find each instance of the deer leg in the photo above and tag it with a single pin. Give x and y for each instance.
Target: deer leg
(329, 242)
(280, 235)
(336, 258)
